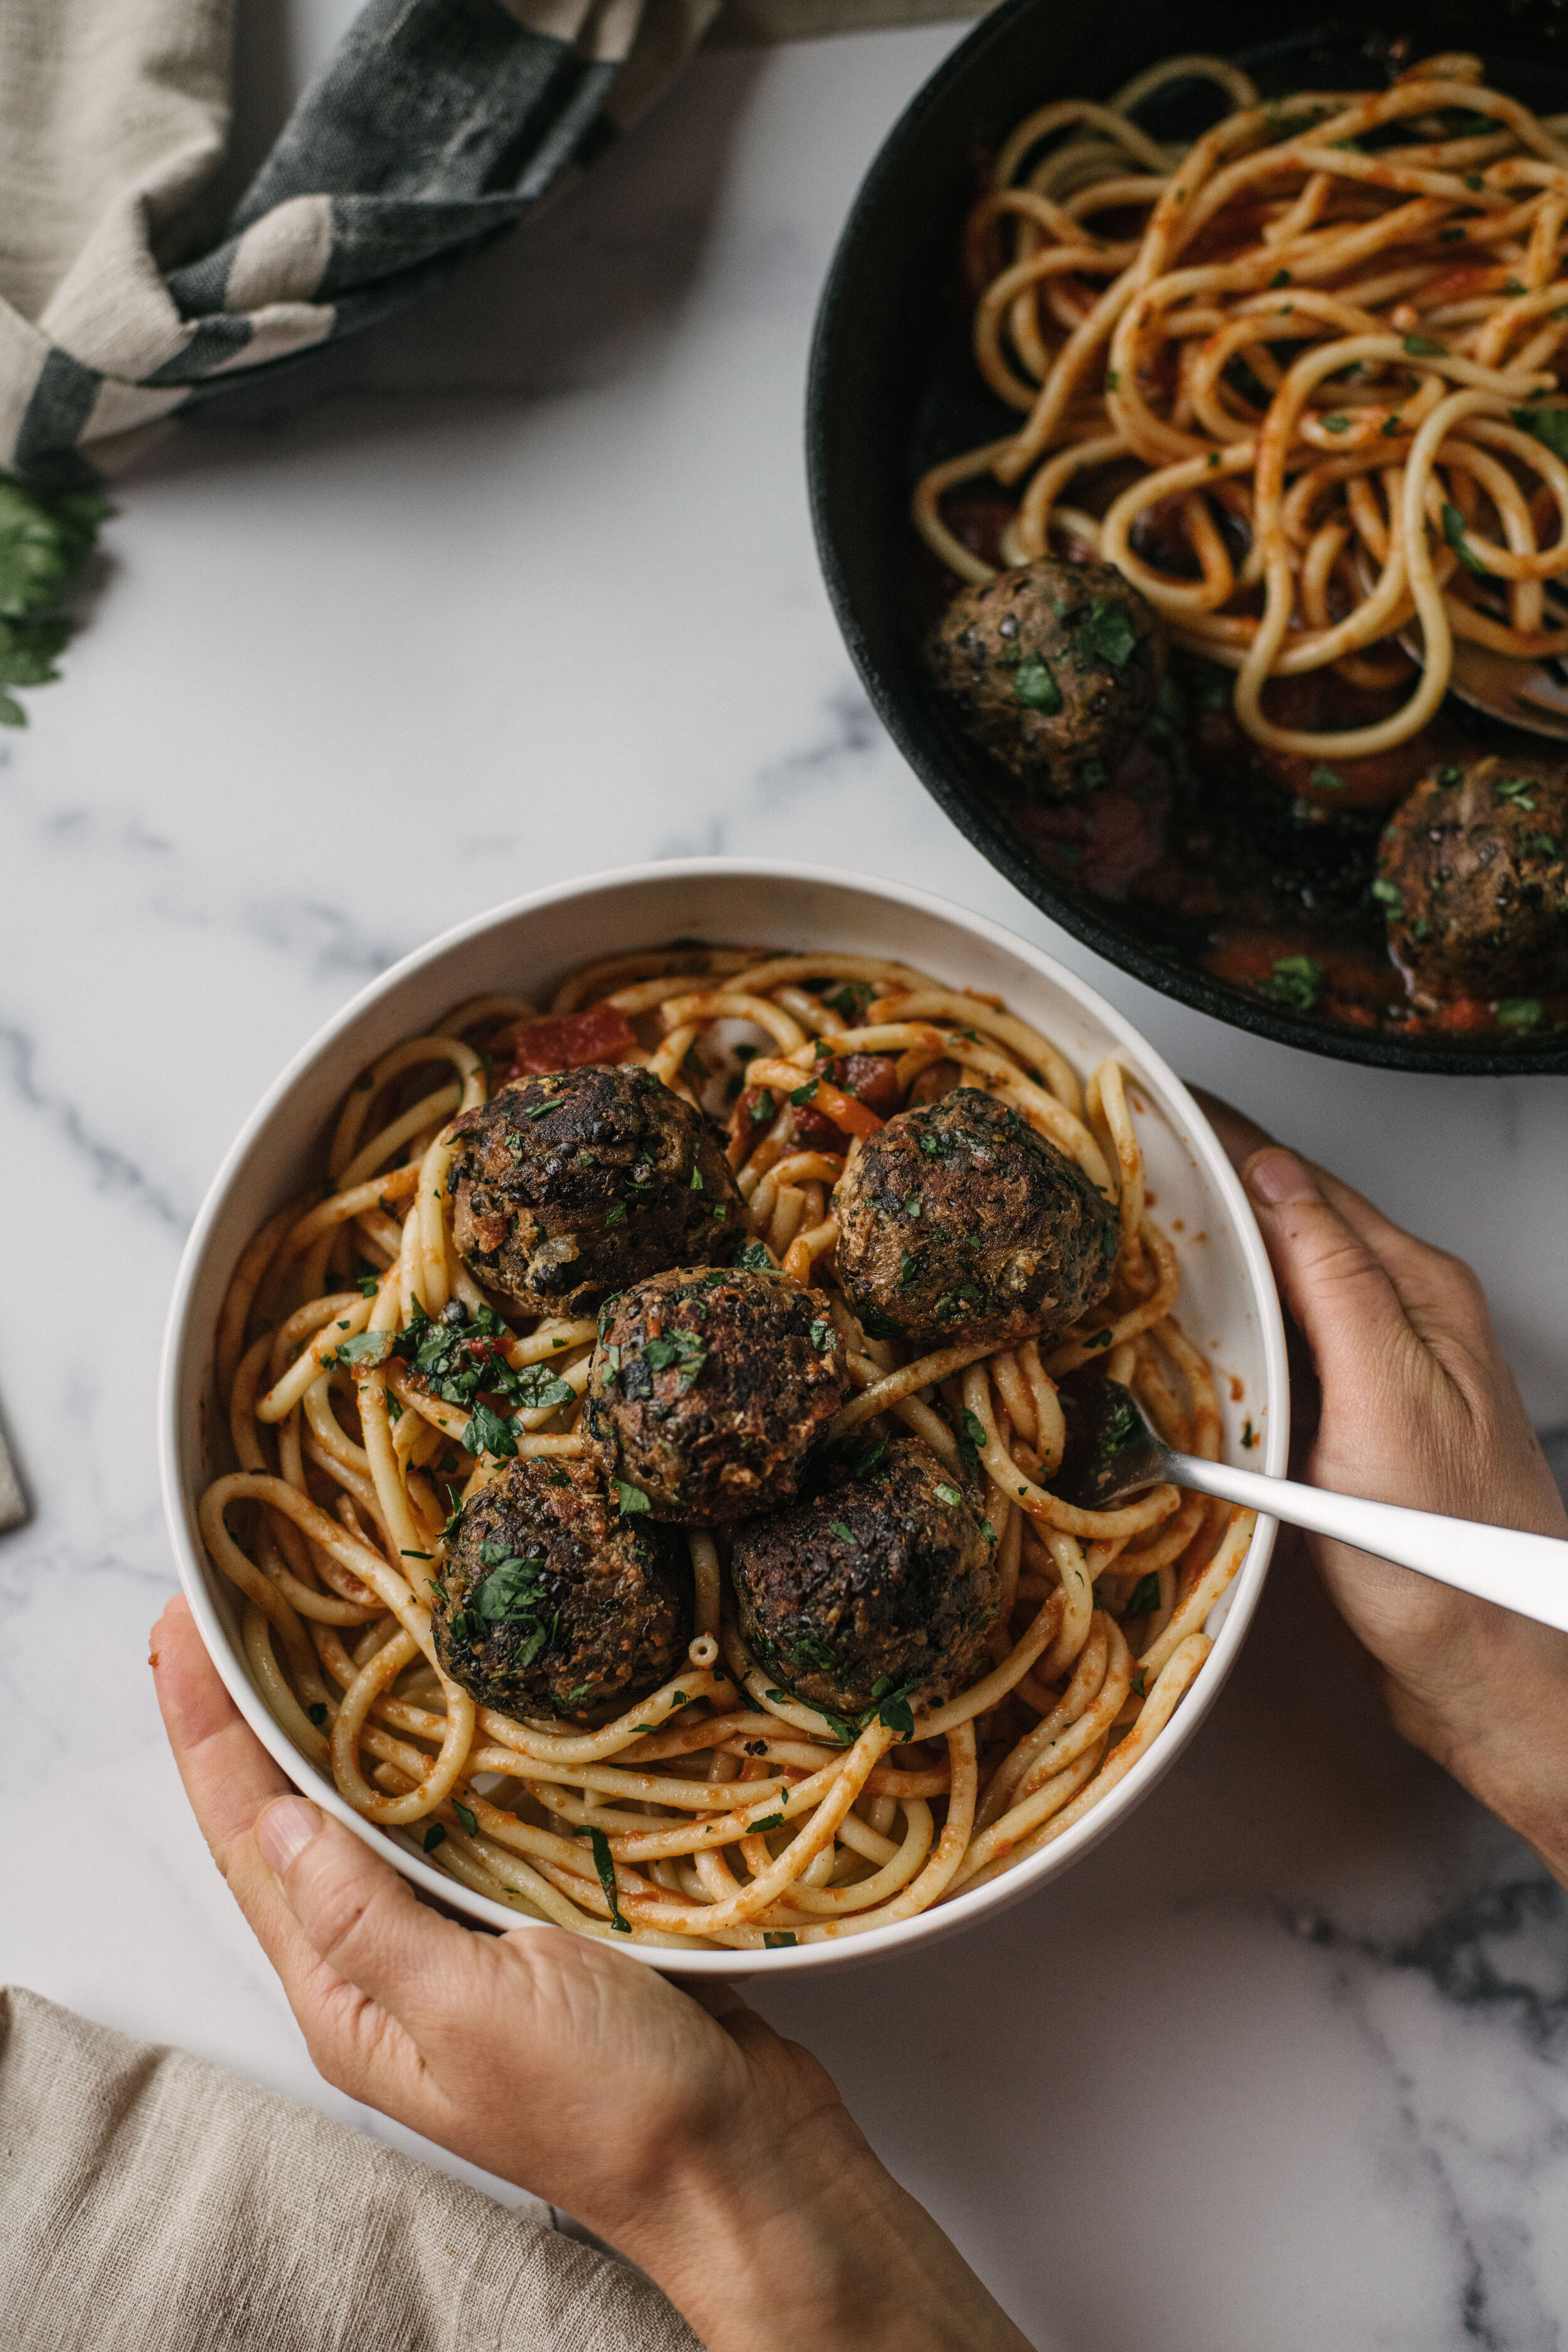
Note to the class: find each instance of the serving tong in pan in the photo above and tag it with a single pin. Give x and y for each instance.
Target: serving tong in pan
(1112, 1450)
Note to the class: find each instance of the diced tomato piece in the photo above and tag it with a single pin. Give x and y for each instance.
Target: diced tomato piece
(570, 1041)
(871, 1078)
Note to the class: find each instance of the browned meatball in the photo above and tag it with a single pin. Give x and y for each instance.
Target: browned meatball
(1054, 667)
(957, 1221)
(886, 1582)
(709, 1389)
(569, 1186)
(1472, 871)
(551, 1600)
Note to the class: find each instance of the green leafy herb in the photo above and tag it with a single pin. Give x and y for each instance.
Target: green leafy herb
(541, 1110)
(1518, 790)
(1144, 1598)
(1550, 426)
(1296, 981)
(768, 1822)
(987, 1530)
(1450, 236)
(1451, 778)
(1520, 1012)
(1248, 1434)
(1474, 180)
(538, 1388)
(367, 1284)
(1391, 426)
(468, 1818)
(366, 1347)
(821, 1335)
(605, 1867)
(487, 1432)
(908, 1268)
(894, 1714)
(878, 1326)
(1327, 779)
(1389, 895)
(1107, 635)
(773, 1942)
(1101, 1339)
(433, 1836)
(1281, 278)
(615, 1214)
(318, 1714)
(1547, 843)
(1422, 347)
(576, 1698)
(870, 1455)
(849, 1000)
(756, 1255)
(1454, 532)
(971, 1439)
(804, 1094)
(1136, 1685)
(46, 538)
(1338, 423)
(841, 1529)
(415, 1555)
(631, 1499)
(696, 1185)
(1033, 686)
(949, 1494)
(763, 1107)
(460, 1627)
(682, 1347)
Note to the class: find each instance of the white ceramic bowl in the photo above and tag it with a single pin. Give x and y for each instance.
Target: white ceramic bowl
(1228, 1302)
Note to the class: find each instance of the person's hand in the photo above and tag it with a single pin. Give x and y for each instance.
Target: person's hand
(1413, 1402)
(682, 2129)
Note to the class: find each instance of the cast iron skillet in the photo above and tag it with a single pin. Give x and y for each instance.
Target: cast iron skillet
(886, 398)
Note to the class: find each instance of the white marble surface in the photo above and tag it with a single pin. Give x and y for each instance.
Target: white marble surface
(521, 587)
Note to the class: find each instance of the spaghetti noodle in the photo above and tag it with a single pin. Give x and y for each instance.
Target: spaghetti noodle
(719, 1811)
(1301, 364)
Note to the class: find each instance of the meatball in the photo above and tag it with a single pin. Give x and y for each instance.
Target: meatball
(886, 1582)
(958, 1221)
(1054, 667)
(709, 1389)
(1472, 874)
(551, 1602)
(568, 1186)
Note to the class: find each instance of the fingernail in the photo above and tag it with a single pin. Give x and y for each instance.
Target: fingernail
(1274, 1176)
(285, 1830)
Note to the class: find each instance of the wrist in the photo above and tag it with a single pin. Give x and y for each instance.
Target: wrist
(809, 2246)
(1506, 1739)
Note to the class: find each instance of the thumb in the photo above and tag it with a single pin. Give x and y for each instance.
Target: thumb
(356, 1912)
(1337, 1292)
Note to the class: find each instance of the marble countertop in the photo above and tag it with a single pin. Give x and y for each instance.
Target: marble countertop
(528, 574)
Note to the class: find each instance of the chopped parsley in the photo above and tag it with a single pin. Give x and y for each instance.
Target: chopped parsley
(908, 1269)
(971, 1439)
(756, 1255)
(1389, 894)
(433, 1836)
(1296, 981)
(541, 1110)
(768, 1822)
(631, 1499)
(1550, 426)
(821, 1335)
(46, 538)
(682, 1347)
(1033, 686)
(779, 1941)
(538, 1388)
(318, 1714)
(804, 1094)
(1144, 1598)
(468, 1818)
(1518, 790)
(605, 1867)
(1327, 779)
(615, 1214)
(487, 1432)
(763, 1107)
(1520, 1012)
(949, 1494)
(841, 1529)
(1422, 347)
(1107, 635)
(1454, 532)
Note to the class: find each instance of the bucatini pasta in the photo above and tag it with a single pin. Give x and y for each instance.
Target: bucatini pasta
(717, 1810)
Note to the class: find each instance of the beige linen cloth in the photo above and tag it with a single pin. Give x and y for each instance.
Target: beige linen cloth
(150, 2202)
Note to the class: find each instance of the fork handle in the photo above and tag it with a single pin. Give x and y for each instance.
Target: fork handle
(1526, 1573)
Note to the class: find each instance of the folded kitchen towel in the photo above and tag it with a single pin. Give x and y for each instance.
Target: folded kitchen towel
(150, 2202)
(435, 127)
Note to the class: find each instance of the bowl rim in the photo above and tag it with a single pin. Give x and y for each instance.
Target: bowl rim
(980, 823)
(180, 1337)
